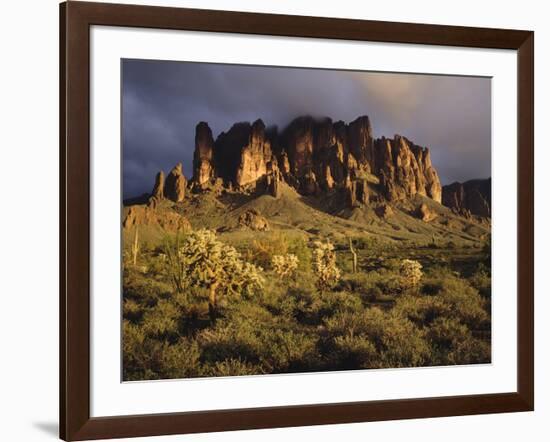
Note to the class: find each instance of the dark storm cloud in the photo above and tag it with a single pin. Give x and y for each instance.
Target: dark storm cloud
(163, 101)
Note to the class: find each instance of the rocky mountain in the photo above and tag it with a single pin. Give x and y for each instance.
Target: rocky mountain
(469, 198)
(313, 165)
(314, 157)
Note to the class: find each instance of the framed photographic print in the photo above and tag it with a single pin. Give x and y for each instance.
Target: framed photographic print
(273, 221)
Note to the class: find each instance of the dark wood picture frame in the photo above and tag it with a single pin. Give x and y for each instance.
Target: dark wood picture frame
(75, 21)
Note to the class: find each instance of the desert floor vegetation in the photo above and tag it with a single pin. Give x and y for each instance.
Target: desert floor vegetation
(202, 303)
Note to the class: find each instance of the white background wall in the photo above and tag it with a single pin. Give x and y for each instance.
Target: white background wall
(29, 218)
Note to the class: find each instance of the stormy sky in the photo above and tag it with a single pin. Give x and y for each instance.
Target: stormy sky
(162, 102)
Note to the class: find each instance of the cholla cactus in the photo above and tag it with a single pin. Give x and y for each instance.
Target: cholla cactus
(411, 272)
(285, 265)
(203, 260)
(324, 265)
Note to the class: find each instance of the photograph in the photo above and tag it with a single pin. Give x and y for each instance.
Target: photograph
(283, 220)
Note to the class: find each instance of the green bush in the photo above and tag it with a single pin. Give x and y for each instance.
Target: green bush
(297, 245)
(276, 350)
(452, 343)
(481, 280)
(231, 367)
(262, 249)
(397, 342)
(449, 297)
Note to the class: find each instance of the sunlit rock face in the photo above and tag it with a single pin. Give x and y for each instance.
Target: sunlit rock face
(405, 169)
(203, 167)
(255, 156)
(176, 184)
(315, 157)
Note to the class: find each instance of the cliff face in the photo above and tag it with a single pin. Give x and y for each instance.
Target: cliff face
(469, 198)
(405, 169)
(203, 167)
(175, 184)
(313, 156)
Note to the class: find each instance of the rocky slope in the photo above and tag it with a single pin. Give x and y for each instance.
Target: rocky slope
(469, 198)
(313, 165)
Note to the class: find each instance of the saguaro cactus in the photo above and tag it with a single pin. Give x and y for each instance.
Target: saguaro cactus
(353, 256)
(135, 247)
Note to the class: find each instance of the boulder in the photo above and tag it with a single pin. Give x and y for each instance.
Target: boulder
(251, 219)
(384, 211)
(168, 220)
(425, 213)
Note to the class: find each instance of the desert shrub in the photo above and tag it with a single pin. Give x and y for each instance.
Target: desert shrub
(335, 302)
(357, 282)
(143, 290)
(160, 320)
(132, 310)
(453, 343)
(372, 285)
(353, 351)
(389, 284)
(288, 350)
(481, 280)
(374, 294)
(298, 246)
(392, 264)
(274, 297)
(486, 252)
(148, 358)
(306, 305)
(275, 349)
(230, 340)
(285, 266)
(324, 265)
(431, 288)
(450, 297)
(465, 302)
(242, 311)
(366, 242)
(410, 272)
(347, 323)
(397, 342)
(422, 310)
(180, 360)
(132, 347)
(231, 367)
(262, 249)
